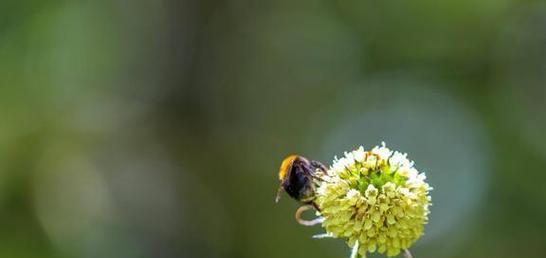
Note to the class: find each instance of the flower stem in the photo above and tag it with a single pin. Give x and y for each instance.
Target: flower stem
(407, 254)
(354, 253)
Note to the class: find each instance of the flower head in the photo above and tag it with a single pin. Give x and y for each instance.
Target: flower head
(374, 197)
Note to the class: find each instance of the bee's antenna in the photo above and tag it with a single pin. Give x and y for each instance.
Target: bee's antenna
(302, 209)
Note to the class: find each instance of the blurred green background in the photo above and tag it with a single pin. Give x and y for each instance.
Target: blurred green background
(156, 128)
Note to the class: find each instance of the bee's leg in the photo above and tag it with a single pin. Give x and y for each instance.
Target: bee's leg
(314, 206)
(279, 191)
(304, 222)
(320, 166)
(319, 171)
(407, 254)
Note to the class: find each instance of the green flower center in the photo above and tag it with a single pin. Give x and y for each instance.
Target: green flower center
(360, 180)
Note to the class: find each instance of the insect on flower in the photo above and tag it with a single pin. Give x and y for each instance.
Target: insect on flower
(299, 178)
(376, 200)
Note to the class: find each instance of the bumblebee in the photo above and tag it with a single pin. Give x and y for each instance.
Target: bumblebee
(298, 177)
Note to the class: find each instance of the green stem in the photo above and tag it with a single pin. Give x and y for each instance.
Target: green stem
(407, 254)
(354, 252)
